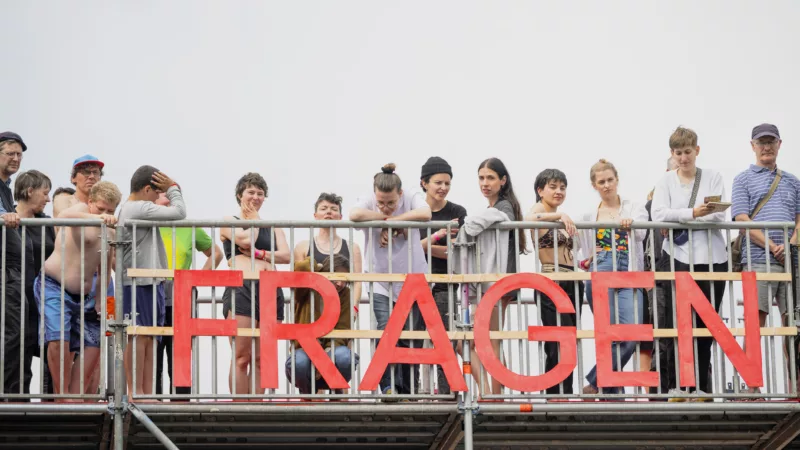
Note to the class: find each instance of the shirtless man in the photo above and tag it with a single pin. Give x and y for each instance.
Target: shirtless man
(86, 172)
(63, 338)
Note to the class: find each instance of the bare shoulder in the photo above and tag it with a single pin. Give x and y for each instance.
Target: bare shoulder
(301, 246)
(75, 207)
(62, 203)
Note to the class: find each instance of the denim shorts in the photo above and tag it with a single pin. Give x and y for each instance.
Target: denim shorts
(71, 325)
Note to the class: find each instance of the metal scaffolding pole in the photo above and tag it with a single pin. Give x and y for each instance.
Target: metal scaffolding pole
(119, 341)
(151, 427)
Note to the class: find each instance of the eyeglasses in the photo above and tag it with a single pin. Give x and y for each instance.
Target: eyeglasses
(389, 205)
(90, 172)
(12, 155)
(763, 144)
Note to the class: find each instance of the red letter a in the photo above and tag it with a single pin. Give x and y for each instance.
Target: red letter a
(415, 289)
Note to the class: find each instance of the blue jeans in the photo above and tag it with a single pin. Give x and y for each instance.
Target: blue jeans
(403, 373)
(302, 368)
(627, 297)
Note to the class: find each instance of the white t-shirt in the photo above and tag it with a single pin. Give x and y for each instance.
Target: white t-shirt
(377, 257)
(671, 204)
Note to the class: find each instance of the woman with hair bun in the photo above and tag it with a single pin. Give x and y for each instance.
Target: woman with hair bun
(389, 202)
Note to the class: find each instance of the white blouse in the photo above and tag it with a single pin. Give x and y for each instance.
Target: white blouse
(627, 210)
(671, 204)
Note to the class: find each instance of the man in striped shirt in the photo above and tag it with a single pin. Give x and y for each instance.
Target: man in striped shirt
(749, 187)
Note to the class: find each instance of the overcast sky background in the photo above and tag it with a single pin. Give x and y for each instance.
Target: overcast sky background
(316, 96)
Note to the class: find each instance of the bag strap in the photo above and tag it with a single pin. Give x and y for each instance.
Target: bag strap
(766, 198)
(695, 188)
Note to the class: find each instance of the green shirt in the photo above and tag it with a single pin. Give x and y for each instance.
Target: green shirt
(183, 245)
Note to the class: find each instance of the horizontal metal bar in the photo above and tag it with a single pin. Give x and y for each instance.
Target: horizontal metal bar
(305, 434)
(300, 408)
(636, 407)
(466, 335)
(58, 222)
(48, 407)
(443, 224)
(479, 278)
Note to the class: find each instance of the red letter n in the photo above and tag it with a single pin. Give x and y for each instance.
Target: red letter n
(565, 336)
(305, 333)
(415, 289)
(185, 328)
(688, 295)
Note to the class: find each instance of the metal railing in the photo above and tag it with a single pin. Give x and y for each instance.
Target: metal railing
(212, 356)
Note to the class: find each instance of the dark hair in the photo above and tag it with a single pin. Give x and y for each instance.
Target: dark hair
(386, 180)
(506, 193)
(247, 180)
(339, 262)
(329, 197)
(63, 190)
(75, 170)
(142, 178)
(32, 179)
(545, 177)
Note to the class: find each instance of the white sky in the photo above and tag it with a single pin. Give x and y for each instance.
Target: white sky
(316, 96)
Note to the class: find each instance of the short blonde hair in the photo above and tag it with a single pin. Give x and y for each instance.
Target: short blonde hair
(682, 138)
(106, 190)
(600, 166)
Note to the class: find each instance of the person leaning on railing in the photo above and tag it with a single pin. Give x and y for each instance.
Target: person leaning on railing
(32, 193)
(680, 197)
(337, 349)
(479, 249)
(75, 273)
(435, 178)
(557, 249)
(250, 249)
(147, 183)
(11, 151)
(597, 246)
(329, 207)
(390, 202)
(765, 193)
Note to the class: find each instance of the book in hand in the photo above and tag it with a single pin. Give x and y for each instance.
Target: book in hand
(719, 206)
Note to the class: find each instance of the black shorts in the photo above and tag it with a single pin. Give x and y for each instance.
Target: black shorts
(244, 301)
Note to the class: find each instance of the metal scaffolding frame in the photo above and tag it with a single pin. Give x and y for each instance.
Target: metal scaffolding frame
(458, 419)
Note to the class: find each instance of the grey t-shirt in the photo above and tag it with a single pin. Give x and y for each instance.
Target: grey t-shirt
(150, 253)
(505, 207)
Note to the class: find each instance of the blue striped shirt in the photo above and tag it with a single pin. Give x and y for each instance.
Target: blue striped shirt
(749, 187)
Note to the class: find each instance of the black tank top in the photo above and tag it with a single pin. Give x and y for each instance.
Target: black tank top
(263, 242)
(319, 257)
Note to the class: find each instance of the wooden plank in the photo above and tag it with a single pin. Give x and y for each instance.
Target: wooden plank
(461, 335)
(480, 278)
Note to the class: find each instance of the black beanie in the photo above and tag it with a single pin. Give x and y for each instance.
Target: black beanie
(435, 165)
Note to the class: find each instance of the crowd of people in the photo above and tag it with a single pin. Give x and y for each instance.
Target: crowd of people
(59, 294)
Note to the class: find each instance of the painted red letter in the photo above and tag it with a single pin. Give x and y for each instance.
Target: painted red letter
(566, 336)
(606, 334)
(415, 289)
(305, 333)
(690, 296)
(185, 327)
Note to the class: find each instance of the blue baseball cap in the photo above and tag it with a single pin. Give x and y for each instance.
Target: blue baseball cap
(87, 159)
(11, 136)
